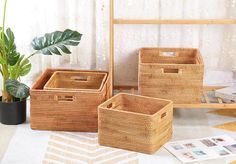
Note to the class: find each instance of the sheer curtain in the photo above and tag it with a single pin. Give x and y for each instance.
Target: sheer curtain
(216, 42)
(30, 18)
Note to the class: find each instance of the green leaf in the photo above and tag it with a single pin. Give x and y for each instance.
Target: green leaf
(54, 50)
(25, 70)
(24, 67)
(2, 61)
(13, 58)
(56, 42)
(10, 35)
(17, 89)
(64, 49)
(21, 68)
(10, 47)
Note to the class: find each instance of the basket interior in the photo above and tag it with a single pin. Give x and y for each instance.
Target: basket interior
(170, 56)
(43, 79)
(76, 80)
(137, 104)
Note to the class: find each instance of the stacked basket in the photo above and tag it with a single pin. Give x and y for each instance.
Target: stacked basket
(67, 100)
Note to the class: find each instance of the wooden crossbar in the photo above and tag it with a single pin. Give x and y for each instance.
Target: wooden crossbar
(207, 104)
(176, 21)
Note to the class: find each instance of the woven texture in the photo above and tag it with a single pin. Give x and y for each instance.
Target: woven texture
(64, 110)
(76, 81)
(135, 123)
(171, 73)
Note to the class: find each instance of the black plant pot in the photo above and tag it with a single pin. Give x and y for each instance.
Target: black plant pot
(13, 113)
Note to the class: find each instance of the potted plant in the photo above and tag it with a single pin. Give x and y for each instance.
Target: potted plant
(14, 65)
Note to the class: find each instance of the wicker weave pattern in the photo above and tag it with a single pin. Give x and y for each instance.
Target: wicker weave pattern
(171, 73)
(135, 122)
(64, 110)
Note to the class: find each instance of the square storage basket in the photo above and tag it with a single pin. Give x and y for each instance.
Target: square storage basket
(171, 73)
(76, 81)
(136, 123)
(63, 109)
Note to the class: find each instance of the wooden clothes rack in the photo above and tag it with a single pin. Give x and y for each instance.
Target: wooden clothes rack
(206, 103)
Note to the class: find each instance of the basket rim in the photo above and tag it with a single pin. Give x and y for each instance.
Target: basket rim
(34, 89)
(47, 87)
(169, 104)
(168, 48)
(165, 64)
(201, 62)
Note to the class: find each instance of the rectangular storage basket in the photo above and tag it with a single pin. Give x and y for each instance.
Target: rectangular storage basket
(64, 110)
(76, 81)
(171, 73)
(136, 123)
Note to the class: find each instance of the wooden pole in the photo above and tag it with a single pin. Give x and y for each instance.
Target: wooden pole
(111, 60)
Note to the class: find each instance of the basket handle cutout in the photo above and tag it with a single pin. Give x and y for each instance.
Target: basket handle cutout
(168, 54)
(163, 115)
(65, 98)
(171, 70)
(110, 106)
(79, 78)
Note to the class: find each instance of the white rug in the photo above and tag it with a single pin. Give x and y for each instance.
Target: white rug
(84, 148)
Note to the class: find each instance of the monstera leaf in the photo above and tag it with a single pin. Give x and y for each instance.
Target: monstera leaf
(2, 55)
(17, 89)
(10, 47)
(21, 68)
(56, 42)
(12, 55)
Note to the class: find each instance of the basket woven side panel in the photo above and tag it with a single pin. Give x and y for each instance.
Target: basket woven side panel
(132, 131)
(178, 78)
(64, 110)
(77, 115)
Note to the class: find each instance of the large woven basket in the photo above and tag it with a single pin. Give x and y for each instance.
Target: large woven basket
(136, 123)
(171, 73)
(65, 110)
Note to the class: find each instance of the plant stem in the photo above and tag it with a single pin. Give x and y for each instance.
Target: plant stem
(32, 54)
(1, 71)
(6, 97)
(3, 21)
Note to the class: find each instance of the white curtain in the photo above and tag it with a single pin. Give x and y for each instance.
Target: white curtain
(216, 42)
(30, 18)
